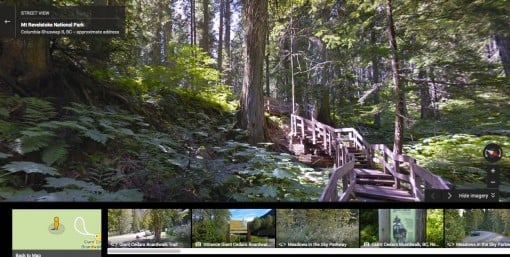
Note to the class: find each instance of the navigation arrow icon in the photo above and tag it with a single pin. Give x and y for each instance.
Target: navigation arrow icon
(449, 195)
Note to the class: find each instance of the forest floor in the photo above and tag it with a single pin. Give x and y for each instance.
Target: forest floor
(186, 147)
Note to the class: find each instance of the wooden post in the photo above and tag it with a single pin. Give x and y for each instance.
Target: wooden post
(421, 225)
(313, 132)
(302, 127)
(384, 225)
(324, 139)
(412, 177)
(385, 157)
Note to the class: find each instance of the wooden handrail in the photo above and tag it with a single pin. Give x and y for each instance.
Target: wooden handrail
(333, 143)
(330, 193)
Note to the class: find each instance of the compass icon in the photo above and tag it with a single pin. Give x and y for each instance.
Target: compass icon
(492, 152)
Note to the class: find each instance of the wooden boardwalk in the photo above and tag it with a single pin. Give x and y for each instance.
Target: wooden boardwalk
(362, 171)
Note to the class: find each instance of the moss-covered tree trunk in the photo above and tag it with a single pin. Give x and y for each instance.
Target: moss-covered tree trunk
(23, 62)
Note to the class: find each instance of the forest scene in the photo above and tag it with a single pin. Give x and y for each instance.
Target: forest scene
(150, 228)
(233, 228)
(317, 228)
(175, 111)
(369, 227)
(477, 227)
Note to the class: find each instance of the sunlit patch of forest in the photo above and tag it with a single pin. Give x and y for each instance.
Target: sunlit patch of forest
(320, 226)
(173, 111)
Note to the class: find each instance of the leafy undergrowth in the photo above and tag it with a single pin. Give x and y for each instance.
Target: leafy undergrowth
(190, 151)
(452, 146)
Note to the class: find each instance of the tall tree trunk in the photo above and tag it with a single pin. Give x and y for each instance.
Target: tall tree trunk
(252, 98)
(193, 25)
(426, 108)
(157, 46)
(375, 79)
(268, 87)
(292, 81)
(167, 31)
(503, 42)
(324, 110)
(23, 62)
(204, 39)
(397, 88)
(226, 41)
(220, 38)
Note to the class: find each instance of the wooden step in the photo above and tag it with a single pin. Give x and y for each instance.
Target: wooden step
(372, 181)
(370, 173)
(383, 193)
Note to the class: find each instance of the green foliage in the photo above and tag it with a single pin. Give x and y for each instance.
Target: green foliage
(457, 158)
(454, 226)
(369, 226)
(183, 234)
(210, 225)
(55, 153)
(189, 72)
(29, 167)
(38, 110)
(435, 227)
(318, 226)
(267, 176)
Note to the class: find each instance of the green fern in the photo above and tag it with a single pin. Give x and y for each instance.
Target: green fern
(55, 153)
(105, 177)
(70, 182)
(38, 110)
(28, 144)
(8, 130)
(96, 135)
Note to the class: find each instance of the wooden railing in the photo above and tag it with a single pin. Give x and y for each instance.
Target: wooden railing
(344, 172)
(418, 178)
(336, 141)
(354, 139)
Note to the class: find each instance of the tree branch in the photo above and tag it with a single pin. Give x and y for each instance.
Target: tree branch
(374, 89)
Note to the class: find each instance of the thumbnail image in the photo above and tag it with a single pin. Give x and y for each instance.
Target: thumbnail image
(477, 227)
(149, 228)
(233, 228)
(56, 231)
(317, 228)
(401, 228)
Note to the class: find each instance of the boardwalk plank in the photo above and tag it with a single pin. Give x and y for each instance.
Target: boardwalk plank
(381, 192)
